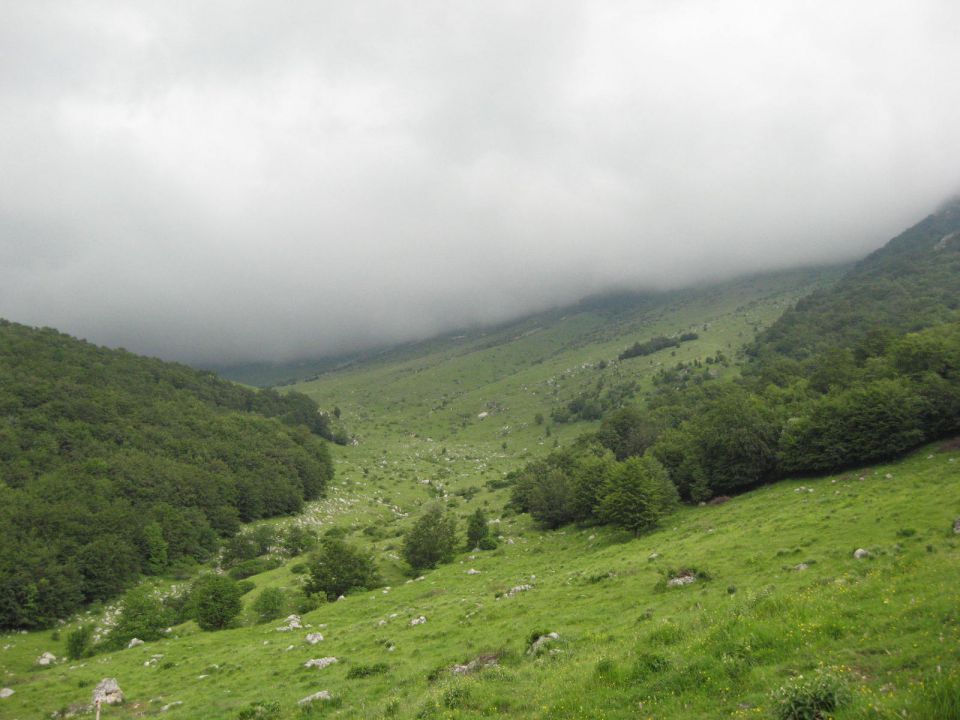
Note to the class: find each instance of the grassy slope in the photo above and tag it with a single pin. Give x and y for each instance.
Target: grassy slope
(890, 619)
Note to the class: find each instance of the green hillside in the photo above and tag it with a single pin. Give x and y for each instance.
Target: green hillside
(833, 590)
(114, 465)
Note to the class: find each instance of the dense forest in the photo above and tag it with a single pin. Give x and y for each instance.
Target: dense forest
(115, 465)
(854, 374)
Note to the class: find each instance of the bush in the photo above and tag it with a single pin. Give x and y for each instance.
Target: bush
(254, 566)
(260, 710)
(431, 540)
(216, 600)
(298, 540)
(810, 698)
(477, 529)
(79, 642)
(339, 568)
(638, 495)
(142, 615)
(270, 604)
(362, 671)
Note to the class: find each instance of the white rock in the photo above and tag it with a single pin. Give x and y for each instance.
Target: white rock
(320, 663)
(46, 659)
(322, 695)
(107, 692)
(860, 553)
(314, 638)
(471, 571)
(170, 706)
(418, 620)
(5, 693)
(682, 580)
(342, 597)
(541, 641)
(516, 589)
(134, 642)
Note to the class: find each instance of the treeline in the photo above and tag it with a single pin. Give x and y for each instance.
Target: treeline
(655, 344)
(842, 397)
(115, 465)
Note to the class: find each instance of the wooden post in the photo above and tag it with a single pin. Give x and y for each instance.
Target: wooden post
(98, 709)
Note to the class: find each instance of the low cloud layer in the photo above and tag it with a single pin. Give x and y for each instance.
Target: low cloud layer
(235, 181)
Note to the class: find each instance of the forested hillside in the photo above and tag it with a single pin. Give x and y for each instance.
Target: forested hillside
(859, 372)
(115, 465)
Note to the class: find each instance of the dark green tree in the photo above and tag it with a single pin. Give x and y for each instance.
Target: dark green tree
(338, 567)
(638, 495)
(216, 601)
(431, 540)
(477, 529)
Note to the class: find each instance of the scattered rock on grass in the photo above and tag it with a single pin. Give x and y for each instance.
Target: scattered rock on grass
(5, 693)
(686, 577)
(322, 695)
(861, 554)
(320, 663)
(800, 567)
(517, 589)
(46, 659)
(293, 622)
(478, 663)
(537, 645)
(314, 638)
(418, 620)
(471, 571)
(107, 692)
(134, 642)
(171, 706)
(956, 526)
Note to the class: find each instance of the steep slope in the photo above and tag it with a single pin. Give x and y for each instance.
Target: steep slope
(779, 594)
(911, 283)
(113, 464)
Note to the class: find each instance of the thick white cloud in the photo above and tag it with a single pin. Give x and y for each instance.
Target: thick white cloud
(225, 181)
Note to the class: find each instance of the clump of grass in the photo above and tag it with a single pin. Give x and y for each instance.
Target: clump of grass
(260, 710)
(939, 698)
(810, 697)
(362, 671)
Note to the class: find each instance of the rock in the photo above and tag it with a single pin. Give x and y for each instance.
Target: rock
(542, 641)
(956, 526)
(418, 620)
(800, 567)
(46, 659)
(478, 663)
(170, 706)
(861, 554)
(322, 695)
(517, 589)
(341, 597)
(314, 638)
(320, 663)
(107, 692)
(5, 693)
(293, 622)
(653, 556)
(684, 578)
(134, 642)
(471, 571)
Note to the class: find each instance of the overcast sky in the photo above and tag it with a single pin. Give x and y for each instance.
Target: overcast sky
(237, 180)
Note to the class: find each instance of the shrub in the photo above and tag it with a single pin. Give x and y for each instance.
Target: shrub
(270, 604)
(142, 615)
(339, 568)
(638, 495)
(254, 566)
(79, 642)
(298, 540)
(477, 529)
(810, 698)
(362, 671)
(216, 600)
(431, 540)
(260, 710)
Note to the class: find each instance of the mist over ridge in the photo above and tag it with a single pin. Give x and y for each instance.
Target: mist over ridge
(249, 184)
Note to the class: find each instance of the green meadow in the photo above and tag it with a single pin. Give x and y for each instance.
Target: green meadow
(771, 591)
